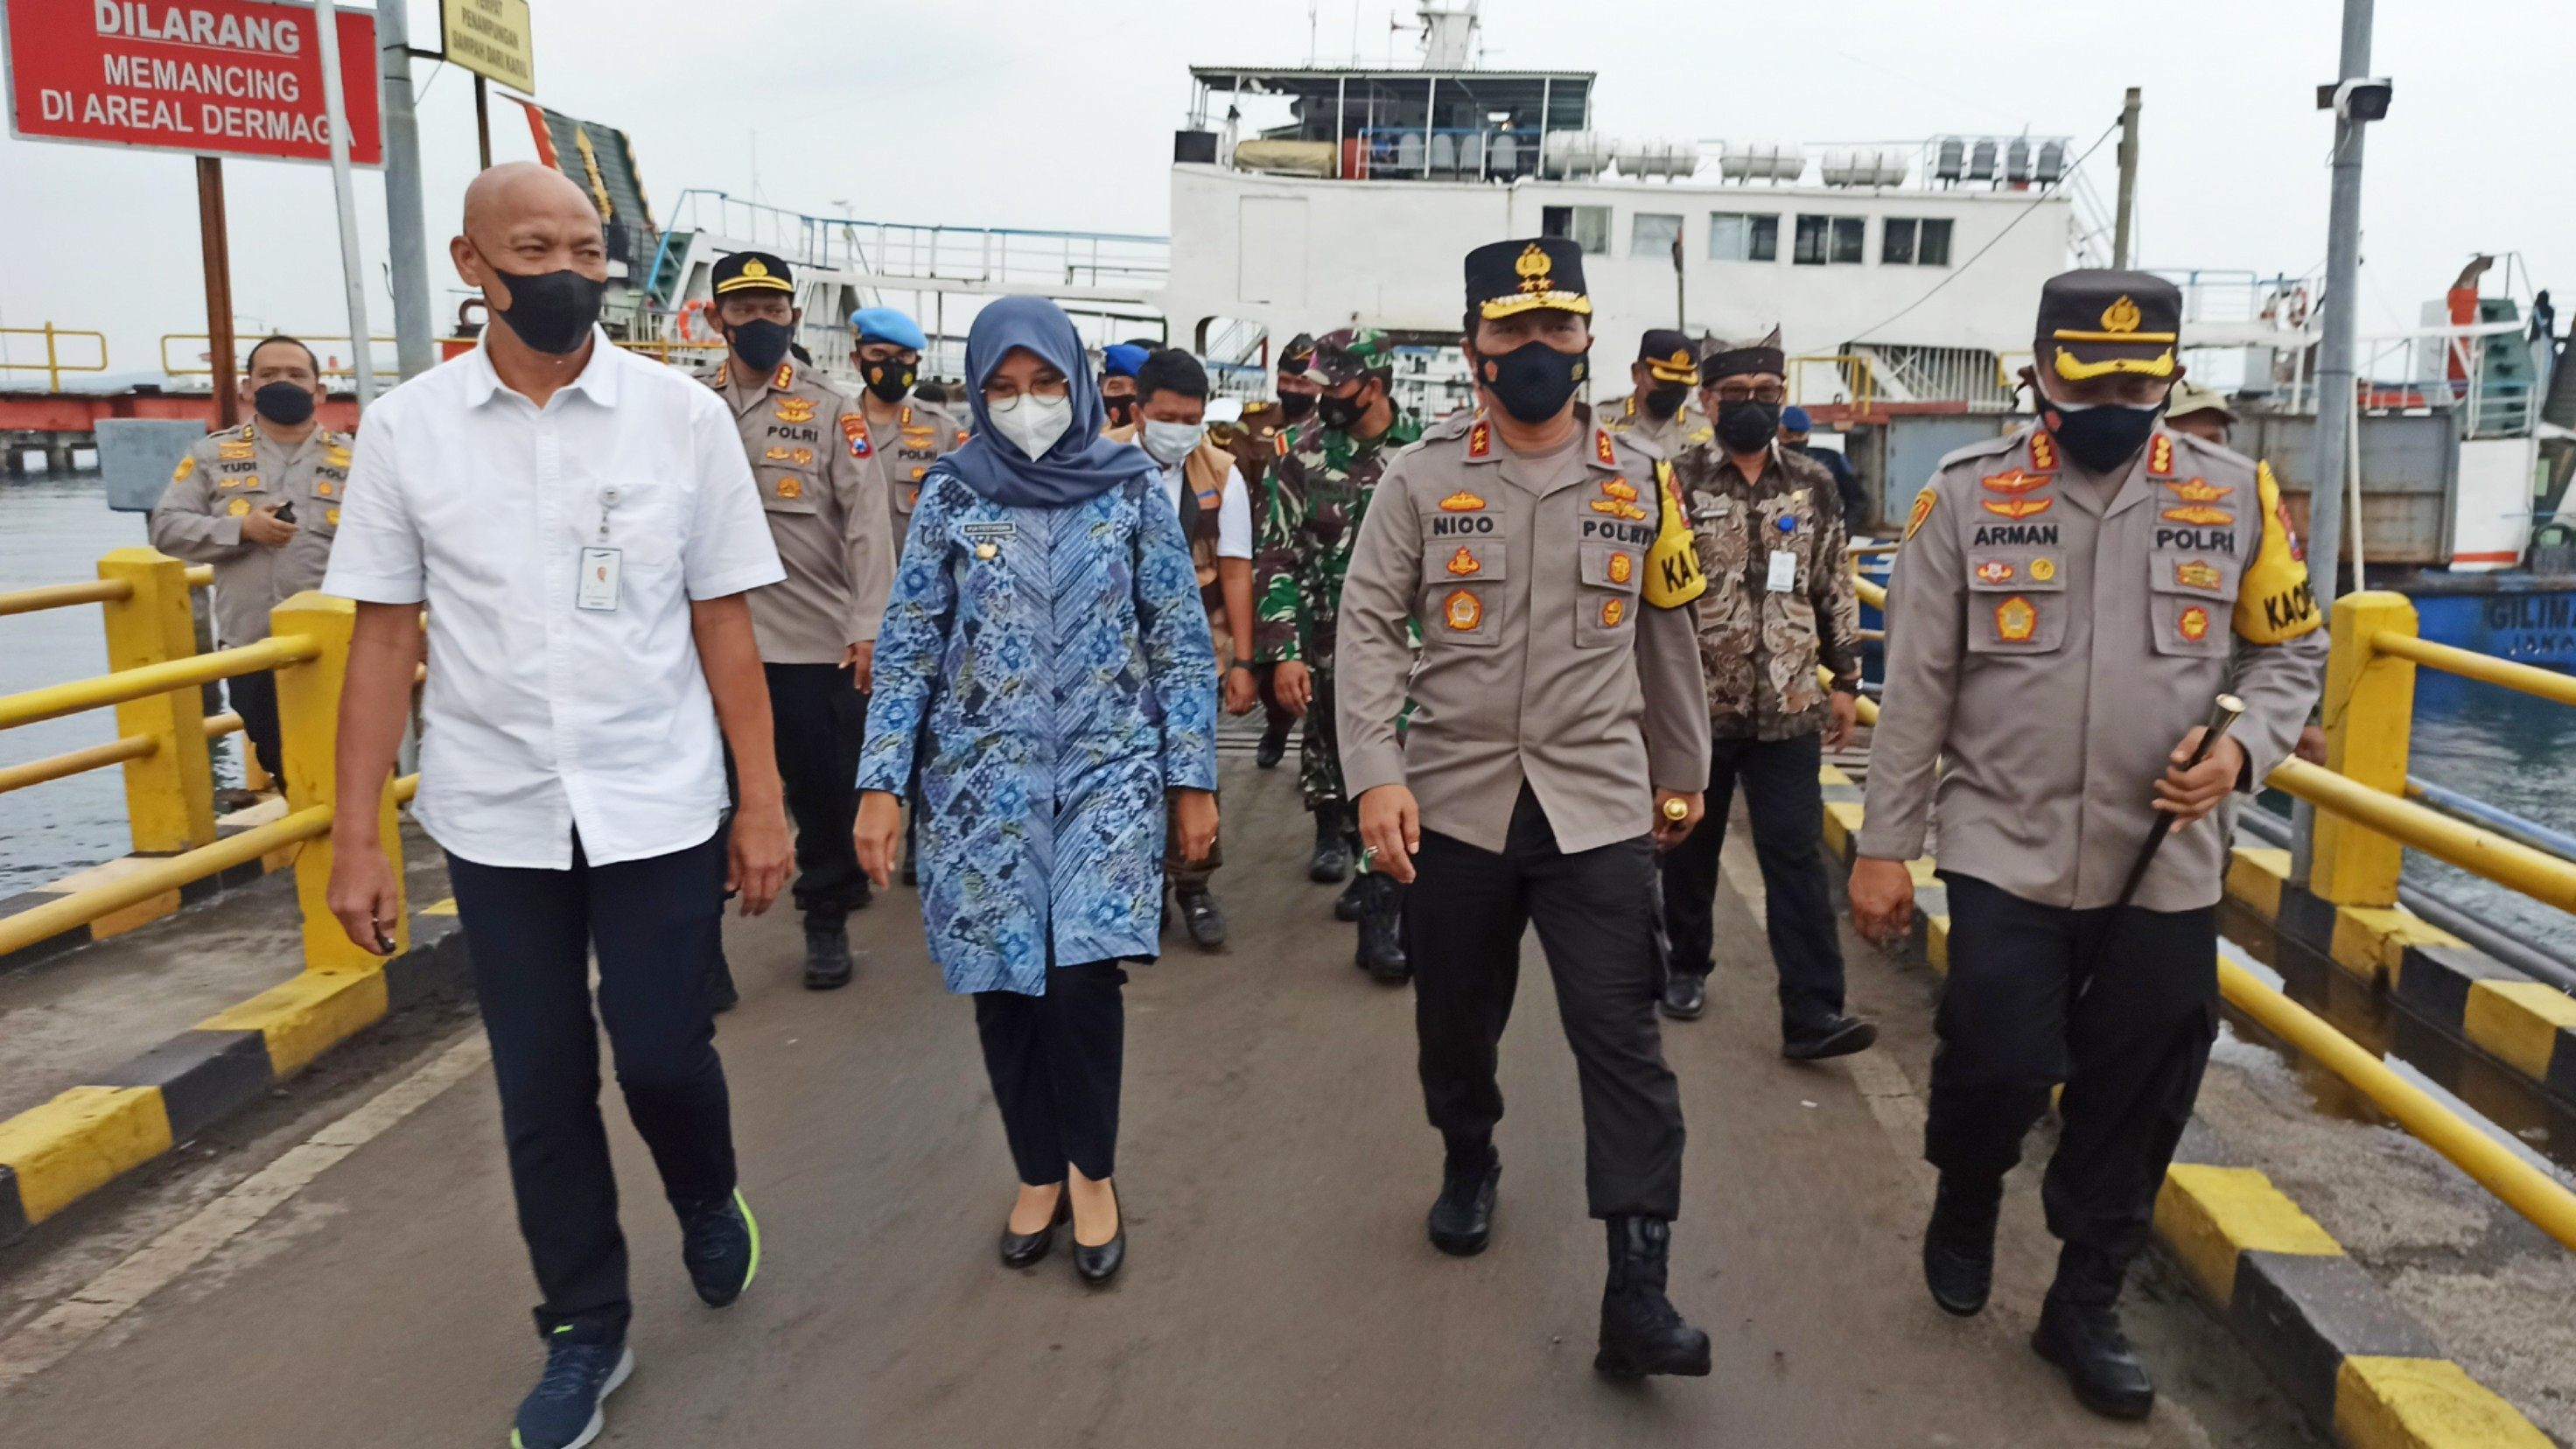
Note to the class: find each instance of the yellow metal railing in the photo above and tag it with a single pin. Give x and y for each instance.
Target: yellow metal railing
(53, 367)
(102, 591)
(243, 346)
(154, 684)
(1854, 372)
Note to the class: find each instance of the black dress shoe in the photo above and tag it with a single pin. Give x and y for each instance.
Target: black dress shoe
(1352, 901)
(1959, 1244)
(1641, 1332)
(1206, 921)
(1462, 1220)
(1839, 1037)
(1100, 1264)
(1685, 995)
(1332, 859)
(1274, 747)
(827, 958)
(1381, 946)
(1019, 1250)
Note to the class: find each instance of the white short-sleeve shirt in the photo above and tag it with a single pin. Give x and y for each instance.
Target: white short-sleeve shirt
(541, 718)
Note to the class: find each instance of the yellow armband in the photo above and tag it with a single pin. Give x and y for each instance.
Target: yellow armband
(1672, 565)
(2274, 603)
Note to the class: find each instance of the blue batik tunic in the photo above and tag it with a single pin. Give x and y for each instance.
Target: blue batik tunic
(1052, 670)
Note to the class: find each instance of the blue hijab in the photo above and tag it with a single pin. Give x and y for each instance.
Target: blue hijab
(1082, 464)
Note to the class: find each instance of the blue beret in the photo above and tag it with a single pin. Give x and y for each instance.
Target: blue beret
(885, 324)
(1123, 359)
(1796, 420)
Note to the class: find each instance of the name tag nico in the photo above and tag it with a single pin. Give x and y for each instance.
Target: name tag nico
(598, 591)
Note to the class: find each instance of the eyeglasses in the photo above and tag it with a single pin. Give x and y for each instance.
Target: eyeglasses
(1736, 392)
(1004, 394)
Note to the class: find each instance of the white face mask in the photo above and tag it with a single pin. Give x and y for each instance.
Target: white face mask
(1033, 423)
(1169, 443)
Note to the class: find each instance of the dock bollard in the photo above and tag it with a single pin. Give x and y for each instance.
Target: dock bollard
(308, 716)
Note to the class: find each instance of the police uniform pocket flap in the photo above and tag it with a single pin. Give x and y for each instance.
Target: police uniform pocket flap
(2191, 628)
(2016, 571)
(2022, 621)
(1458, 615)
(1453, 560)
(1613, 565)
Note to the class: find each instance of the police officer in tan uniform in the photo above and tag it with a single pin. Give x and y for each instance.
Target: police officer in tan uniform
(1559, 734)
(2069, 602)
(260, 502)
(818, 627)
(1662, 416)
(893, 429)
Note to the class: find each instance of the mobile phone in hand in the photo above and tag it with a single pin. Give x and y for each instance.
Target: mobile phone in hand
(286, 511)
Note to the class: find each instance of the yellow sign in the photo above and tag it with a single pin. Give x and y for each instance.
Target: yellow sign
(490, 38)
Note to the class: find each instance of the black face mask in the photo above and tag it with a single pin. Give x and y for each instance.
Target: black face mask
(283, 403)
(2102, 438)
(1746, 426)
(1295, 405)
(552, 312)
(1533, 381)
(889, 379)
(1122, 410)
(1342, 413)
(762, 342)
(1663, 402)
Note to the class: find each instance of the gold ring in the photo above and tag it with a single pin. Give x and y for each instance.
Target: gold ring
(1677, 809)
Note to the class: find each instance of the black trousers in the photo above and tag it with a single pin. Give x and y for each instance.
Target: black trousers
(1056, 1061)
(2029, 1004)
(254, 697)
(654, 924)
(819, 722)
(1464, 917)
(1787, 807)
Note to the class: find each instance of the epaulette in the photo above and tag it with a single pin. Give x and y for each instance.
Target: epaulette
(1987, 448)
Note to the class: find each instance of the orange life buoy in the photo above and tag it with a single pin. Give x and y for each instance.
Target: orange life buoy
(689, 311)
(2299, 307)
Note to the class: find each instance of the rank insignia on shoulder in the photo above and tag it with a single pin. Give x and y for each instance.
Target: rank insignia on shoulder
(249, 432)
(2160, 457)
(1462, 562)
(2015, 481)
(2194, 623)
(238, 508)
(2015, 620)
(1994, 571)
(1620, 488)
(2196, 574)
(791, 488)
(784, 376)
(1921, 510)
(1461, 501)
(2043, 569)
(854, 428)
(1603, 449)
(2043, 450)
(903, 416)
(187, 466)
(1480, 440)
(794, 410)
(2196, 490)
(2017, 507)
(1462, 611)
(1622, 568)
(1612, 611)
(2199, 516)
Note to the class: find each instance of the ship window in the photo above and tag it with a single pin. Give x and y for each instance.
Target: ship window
(1912, 243)
(1654, 234)
(1835, 240)
(1587, 226)
(1738, 236)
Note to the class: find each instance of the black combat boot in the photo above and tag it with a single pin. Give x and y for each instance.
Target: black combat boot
(1959, 1245)
(1352, 903)
(2079, 1331)
(1685, 995)
(1640, 1331)
(1463, 1217)
(1204, 917)
(827, 955)
(1381, 952)
(1332, 853)
(1274, 746)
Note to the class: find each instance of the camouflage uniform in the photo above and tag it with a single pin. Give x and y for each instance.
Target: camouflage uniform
(1319, 494)
(1760, 646)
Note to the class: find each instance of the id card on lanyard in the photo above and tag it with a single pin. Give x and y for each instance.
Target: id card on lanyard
(597, 592)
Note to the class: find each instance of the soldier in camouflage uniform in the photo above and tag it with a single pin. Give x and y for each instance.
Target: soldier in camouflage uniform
(1268, 433)
(1780, 603)
(1320, 491)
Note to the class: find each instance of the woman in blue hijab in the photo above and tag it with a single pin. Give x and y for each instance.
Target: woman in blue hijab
(1044, 663)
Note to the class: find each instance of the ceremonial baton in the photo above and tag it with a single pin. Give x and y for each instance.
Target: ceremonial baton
(2222, 718)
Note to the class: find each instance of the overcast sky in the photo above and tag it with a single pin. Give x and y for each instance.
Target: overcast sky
(1042, 114)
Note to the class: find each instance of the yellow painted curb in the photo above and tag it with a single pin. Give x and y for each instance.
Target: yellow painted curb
(307, 1016)
(2209, 1215)
(2424, 1403)
(2371, 941)
(78, 1142)
(446, 907)
(1842, 825)
(2254, 877)
(2518, 1021)
(1936, 942)
(1831, 775)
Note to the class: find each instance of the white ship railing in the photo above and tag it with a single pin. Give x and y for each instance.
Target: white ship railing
(966, 256)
